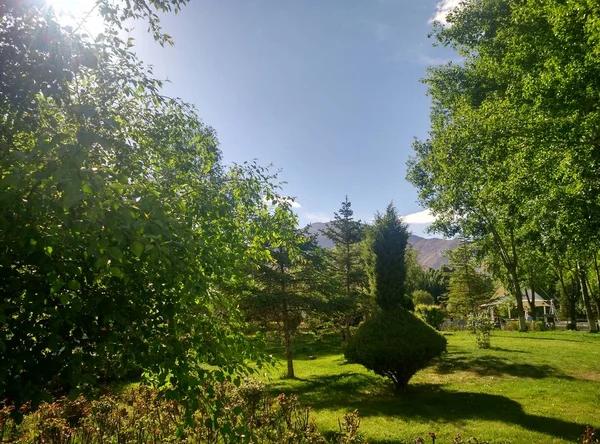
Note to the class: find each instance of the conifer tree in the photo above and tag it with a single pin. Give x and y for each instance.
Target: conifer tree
(345, 259)
(385, 259)
(468, 288)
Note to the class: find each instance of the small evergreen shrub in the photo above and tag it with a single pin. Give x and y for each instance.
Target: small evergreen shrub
(432, 314)
(395, 344)
(481, 326)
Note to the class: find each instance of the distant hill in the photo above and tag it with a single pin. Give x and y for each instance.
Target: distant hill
(430, 251)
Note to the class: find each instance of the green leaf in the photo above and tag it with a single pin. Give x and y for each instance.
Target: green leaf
(137, 248)
(57, 285)
(101, 262)
(115, 252)
(84, 110)
(74, 285)
(117, 272)
(87, 189)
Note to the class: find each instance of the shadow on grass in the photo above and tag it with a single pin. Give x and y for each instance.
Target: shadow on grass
(307, 345)
(537, 338)
(495, 366)
(423, 402)
(506, 350)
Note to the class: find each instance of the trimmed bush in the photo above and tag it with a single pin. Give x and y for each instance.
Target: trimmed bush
(422, 297)
(395, 344)
(432, 314)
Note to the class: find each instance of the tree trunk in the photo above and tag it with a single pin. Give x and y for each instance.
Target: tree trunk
(533, 316)
(519, 297)
(597, 297)
(347, 334)
(288, 343)
(573, 303)
(586, 300)
(568, 299)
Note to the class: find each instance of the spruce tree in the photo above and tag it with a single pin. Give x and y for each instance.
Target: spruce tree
(468, 288)
(394, 342)
(385, 251)
(345, 261)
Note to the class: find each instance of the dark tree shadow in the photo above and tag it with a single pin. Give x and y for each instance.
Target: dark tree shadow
(535, 338)
(506, 350)
(495, 366)
(426, 402)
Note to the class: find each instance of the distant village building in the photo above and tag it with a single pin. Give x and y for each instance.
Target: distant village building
(544, 306)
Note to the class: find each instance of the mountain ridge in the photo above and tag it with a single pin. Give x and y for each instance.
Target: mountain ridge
(429, 250)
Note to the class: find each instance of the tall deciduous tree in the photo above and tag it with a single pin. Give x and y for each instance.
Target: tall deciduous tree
(120, 229)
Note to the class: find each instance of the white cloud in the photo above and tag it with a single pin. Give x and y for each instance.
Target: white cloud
(293, 203)
(316, 217)
(422, 217)
(442, 10)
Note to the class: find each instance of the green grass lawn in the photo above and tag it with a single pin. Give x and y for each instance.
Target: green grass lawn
(528, 388)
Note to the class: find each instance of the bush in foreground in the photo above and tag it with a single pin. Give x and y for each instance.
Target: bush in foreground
(395, 344)
(143, 415)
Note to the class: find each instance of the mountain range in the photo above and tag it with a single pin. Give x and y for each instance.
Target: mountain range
(430, 250)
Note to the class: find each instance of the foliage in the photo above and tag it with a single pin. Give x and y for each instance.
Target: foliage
(495, 165)
(345, 261)
(422, 297)
(122, 233)
(468, 288)
(431, 314)
(384, 250)
(141, 415)
(464, 392)
(395, 344)
(292, 283)
(539, 326)
(481, 325)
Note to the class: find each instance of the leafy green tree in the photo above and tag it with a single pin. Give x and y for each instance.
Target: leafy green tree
(121, 231)
(385, 250)
(345, 258)
(292, 284)
(468, 288)
(495, 167)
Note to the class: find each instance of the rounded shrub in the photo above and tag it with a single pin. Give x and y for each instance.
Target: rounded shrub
(431, 314)
(420, 297)
(395, 344)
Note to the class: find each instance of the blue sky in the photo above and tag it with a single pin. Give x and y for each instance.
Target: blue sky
(327, 91)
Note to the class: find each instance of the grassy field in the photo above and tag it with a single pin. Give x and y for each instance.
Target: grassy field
(536, 387)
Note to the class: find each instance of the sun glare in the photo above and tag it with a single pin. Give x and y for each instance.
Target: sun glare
(78, 14)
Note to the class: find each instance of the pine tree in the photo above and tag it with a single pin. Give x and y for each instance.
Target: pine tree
(468, 288)
(294, 283)
(345, 259)
(346, 233)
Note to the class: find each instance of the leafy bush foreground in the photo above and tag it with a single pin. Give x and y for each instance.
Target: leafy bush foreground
(143, 415)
